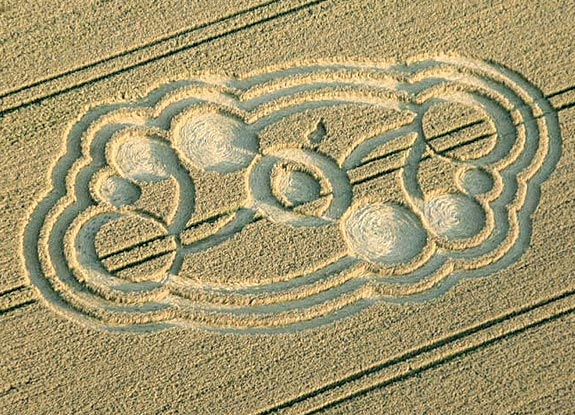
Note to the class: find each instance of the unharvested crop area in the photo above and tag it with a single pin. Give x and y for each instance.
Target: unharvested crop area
(287, 206)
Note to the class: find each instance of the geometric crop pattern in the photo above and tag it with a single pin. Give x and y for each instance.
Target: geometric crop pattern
(102, 252)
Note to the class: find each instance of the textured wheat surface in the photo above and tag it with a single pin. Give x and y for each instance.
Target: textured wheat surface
(503, 343)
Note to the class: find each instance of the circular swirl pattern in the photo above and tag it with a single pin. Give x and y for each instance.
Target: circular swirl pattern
(143, 159)
(454, 216)
(476, 181)
(384, 233)
(216, 142)
(260, 185)
(95, 266)
(295, 187)
(119, 192)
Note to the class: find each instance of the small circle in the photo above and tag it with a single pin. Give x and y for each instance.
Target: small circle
(385, 233)
(263, 197)
(119, 192)
(141, 158)
(454, 216)
(476, 181)
(216, 142)
(293, 187)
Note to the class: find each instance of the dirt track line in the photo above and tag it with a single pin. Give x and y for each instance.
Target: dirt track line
(566, 106)
(558, 107)
(144, 62)
(374, 175)
(130, 51)
(13, 290)
(16, 298)
(408, 371)
(382, 173)
(460, 128)
(561, 91)
(463, 143)
(141, 261)
(445, 359)
(133, 247)
(358, 181)
(17, 307)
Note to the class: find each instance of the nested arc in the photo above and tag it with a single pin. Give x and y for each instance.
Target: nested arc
(59, 287)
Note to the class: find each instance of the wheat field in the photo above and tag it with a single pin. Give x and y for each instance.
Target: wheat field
(287, 206)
